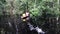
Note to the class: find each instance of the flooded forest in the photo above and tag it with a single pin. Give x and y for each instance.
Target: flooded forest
(29, 16)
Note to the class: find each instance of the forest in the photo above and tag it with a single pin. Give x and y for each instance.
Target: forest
(19, 16)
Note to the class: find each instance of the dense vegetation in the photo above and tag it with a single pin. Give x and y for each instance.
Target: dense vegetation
(43, 13)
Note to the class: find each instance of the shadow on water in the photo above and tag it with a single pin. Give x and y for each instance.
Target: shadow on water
(8, 27)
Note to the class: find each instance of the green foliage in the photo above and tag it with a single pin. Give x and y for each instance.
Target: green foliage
(2, 5)
(34, 12)
(35, 7)
(39, 9)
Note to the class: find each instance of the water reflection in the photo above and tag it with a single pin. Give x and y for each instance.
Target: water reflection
(37, 29)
